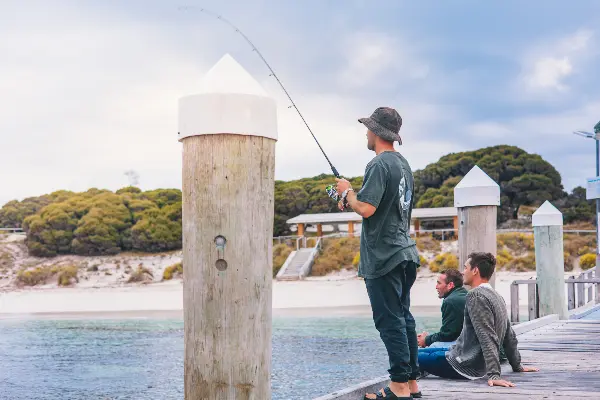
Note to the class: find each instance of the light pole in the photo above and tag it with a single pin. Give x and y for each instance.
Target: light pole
(596, 137)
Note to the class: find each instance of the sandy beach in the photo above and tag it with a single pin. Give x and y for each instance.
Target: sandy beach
(311, 297)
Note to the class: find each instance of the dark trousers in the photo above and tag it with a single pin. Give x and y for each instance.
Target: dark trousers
(434, 362)
(390, 303)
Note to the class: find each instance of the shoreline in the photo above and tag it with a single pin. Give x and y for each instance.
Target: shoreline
(312, 297)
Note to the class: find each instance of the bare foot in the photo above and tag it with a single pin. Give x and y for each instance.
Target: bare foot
(413, 386)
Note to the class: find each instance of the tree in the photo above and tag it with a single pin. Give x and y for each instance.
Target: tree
(524, 178)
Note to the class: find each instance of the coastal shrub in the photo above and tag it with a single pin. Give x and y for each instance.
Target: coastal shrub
(356, 260)
(569, 261)
(311, 242)
(516, 242)
(522, 263)
(503, 257)
(427, 243)
(444, 261)
(99, 222)
(155, 232)
(34, 276)
(173, 270)
(280, 254)
(578, 245)
(423, 261)
(335, 255)
(587, 261)
(141, 274)
(6, 259)
(67, 275)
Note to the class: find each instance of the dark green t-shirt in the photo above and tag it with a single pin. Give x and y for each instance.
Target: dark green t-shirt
(385, 238)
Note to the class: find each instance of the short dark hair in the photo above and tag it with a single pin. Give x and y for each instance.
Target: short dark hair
(485, 263)
(454, 276)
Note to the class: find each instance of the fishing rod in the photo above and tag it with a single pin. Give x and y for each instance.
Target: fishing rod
(254, 48)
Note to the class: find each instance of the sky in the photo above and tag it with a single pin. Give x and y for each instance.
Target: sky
(90, 90)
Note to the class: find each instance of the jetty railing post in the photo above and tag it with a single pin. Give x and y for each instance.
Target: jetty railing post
(514, 303)
(590, 293)
(477, 197)
(571, 293)
(547, 224)
(228, 132)
(580, 288)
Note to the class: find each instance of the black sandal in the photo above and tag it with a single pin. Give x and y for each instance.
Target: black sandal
(417, 395)
(388, 395)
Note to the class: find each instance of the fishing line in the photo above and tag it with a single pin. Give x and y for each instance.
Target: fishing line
(254, 48)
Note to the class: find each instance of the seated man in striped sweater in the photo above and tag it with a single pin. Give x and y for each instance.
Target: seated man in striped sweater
(486, 328)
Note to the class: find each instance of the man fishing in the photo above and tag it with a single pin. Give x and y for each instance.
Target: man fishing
(388, 256)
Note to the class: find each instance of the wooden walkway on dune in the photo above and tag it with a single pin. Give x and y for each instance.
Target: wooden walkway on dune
(567, 353)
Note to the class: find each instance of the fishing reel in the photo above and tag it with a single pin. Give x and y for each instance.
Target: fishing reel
(331, 192)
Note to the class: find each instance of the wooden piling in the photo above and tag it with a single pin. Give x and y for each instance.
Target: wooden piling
(476, 198)
(228, 133)
(547, 224)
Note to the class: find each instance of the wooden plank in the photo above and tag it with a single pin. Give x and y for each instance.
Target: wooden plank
(564, 350)
(535, 324)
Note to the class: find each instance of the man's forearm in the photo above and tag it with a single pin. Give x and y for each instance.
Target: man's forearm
(365, 210)
(511, 350)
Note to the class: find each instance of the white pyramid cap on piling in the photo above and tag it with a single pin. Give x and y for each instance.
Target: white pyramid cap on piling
(476, 189)
(547, 215)
(230, 101)
(228, 76)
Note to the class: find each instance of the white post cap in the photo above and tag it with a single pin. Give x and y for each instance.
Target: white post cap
(476, 189)
(230, 101)
(547, 215)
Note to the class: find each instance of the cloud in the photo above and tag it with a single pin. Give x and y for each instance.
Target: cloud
(549, 134)
(370, 55)
(548, 66)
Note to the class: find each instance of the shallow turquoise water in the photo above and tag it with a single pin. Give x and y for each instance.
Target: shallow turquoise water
(143, 359)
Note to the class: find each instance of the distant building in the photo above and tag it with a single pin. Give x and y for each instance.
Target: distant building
(351, 222)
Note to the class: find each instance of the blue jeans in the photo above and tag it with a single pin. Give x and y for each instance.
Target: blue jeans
(390, 303)
(433, 361)
(444, 345)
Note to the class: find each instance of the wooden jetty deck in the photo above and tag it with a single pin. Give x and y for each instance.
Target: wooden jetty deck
(566, 351)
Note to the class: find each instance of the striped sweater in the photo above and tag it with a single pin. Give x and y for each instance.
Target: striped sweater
(486, 327)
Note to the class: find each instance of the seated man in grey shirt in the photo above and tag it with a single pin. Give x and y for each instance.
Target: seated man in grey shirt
(476, 353)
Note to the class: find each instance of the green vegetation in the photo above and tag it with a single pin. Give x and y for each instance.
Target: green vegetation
(335, 255)
(304, 196)
(98, 222)
(141, 274)
(173, 270)
(101, 222)
(280, 254)
(587, 261)
(66, 275)
(525, 179)
(428, 243)
(444, 261)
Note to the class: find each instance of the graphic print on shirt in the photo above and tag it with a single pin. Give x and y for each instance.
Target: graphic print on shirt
(405, 194)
